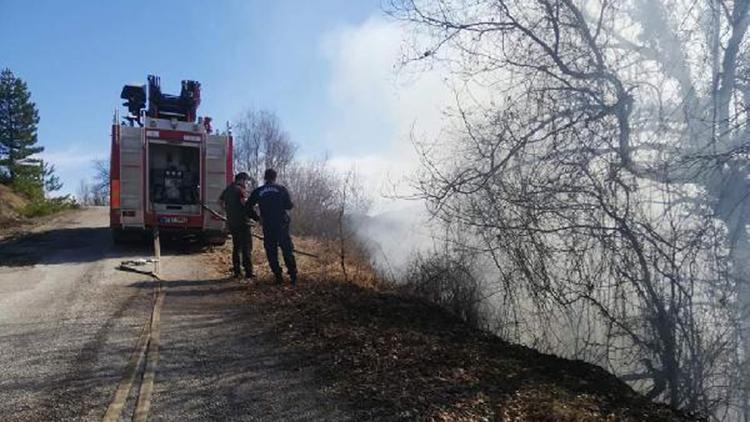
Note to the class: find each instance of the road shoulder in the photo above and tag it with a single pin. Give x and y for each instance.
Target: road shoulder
(220, 358)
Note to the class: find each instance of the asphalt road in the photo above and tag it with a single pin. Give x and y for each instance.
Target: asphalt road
(69, 323)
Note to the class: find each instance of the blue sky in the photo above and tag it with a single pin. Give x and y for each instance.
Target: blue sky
(325, 67)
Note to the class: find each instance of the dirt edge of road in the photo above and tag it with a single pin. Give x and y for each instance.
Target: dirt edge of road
(20, 228)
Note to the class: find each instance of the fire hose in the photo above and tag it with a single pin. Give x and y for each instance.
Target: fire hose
(224, 218)
(132, 264)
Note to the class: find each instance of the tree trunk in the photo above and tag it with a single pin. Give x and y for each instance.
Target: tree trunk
(732, 191)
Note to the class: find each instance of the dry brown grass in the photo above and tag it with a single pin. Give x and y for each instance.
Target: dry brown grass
(326, 266)
(11, 207)
(394, 356)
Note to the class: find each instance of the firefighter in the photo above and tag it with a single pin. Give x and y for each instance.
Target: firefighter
(233, 200)
(274, 202)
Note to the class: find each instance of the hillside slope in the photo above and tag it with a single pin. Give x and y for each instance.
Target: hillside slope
(396, 357)
(19, 215)
(11, 207)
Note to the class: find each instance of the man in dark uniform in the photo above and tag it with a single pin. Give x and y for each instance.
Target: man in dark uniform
(233, 200)
(274, 202)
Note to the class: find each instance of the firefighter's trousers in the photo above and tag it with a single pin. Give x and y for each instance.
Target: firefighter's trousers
(241, 246)
(275, 237)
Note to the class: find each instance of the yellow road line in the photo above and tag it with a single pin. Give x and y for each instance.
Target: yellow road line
(143, 404)
(147, 347)
(131, 370)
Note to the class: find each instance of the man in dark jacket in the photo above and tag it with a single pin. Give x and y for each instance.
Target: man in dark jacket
(274, 202)
(233, 200)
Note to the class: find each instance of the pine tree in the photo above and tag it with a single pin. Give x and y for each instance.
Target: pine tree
(51, 181)
(18, 124)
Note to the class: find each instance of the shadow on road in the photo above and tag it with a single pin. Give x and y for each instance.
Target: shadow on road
(217, 287)
(66, 369)
(84, 244)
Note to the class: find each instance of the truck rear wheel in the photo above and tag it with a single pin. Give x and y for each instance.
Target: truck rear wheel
(118, 238)
(124, 237)
(215, 240)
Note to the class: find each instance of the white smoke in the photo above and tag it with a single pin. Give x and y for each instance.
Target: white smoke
(380, 108)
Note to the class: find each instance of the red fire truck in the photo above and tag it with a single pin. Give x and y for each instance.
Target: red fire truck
(167, 166)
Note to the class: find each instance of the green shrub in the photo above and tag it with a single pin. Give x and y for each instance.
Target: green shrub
(42, 207)
(29, 187)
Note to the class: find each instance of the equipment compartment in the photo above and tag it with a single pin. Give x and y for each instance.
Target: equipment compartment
(174, 177)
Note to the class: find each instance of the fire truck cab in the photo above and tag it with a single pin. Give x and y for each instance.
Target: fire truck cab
(167, 166)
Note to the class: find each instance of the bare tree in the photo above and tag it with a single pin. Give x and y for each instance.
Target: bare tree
(314, 189)
(100, 184)
(260, 143)
(83, 193)
(322, 197)
(351, 201)
(96, 191)
(607, 176)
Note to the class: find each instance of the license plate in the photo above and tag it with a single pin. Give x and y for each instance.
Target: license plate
(172, 220)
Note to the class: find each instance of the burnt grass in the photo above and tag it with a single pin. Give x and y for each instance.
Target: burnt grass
(396, 357)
